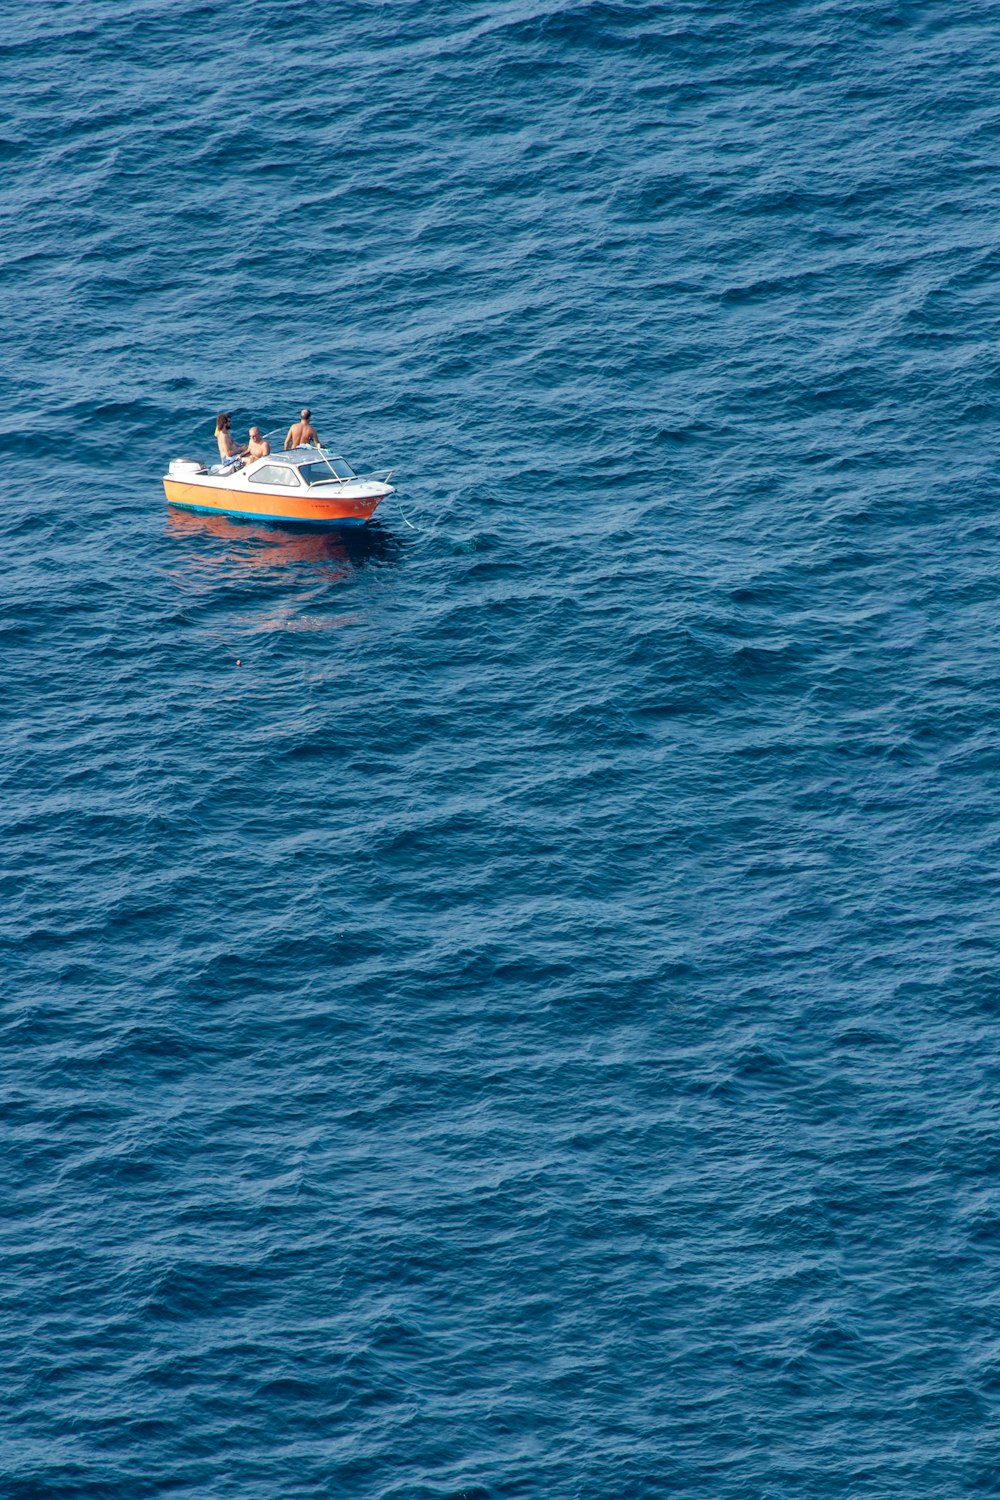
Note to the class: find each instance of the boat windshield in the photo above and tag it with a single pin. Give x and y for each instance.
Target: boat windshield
(318, 473)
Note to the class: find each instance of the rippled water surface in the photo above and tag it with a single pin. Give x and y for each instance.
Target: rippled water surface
(503, 1004)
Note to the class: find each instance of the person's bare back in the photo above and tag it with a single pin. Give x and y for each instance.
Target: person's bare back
(301, 432)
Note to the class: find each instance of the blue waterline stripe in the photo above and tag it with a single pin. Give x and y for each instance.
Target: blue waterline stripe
(247, 515)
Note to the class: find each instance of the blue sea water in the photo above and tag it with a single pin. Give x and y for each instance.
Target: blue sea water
(504, 1004)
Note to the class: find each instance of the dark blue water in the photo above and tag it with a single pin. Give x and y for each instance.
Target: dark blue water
(506, 1004)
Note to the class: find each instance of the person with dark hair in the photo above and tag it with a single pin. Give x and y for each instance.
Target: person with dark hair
(228, 451)
(301, 432)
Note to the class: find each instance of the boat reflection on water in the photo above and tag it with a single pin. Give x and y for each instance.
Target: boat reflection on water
(252, 580)
(257, 546)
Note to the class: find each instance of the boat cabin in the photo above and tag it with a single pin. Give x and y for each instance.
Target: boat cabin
(297, 467)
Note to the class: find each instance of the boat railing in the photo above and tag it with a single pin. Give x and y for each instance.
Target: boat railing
(379, 476)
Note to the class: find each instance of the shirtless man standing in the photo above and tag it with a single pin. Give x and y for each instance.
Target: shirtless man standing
(258, 447)
(301, 432)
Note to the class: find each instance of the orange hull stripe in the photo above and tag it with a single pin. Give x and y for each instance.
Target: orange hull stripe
(252, 503)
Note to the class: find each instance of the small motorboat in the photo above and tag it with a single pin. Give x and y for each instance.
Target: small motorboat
(307, 485)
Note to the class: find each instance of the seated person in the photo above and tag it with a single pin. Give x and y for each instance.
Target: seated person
(301, 432)
(258, 447)
(228, 451)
